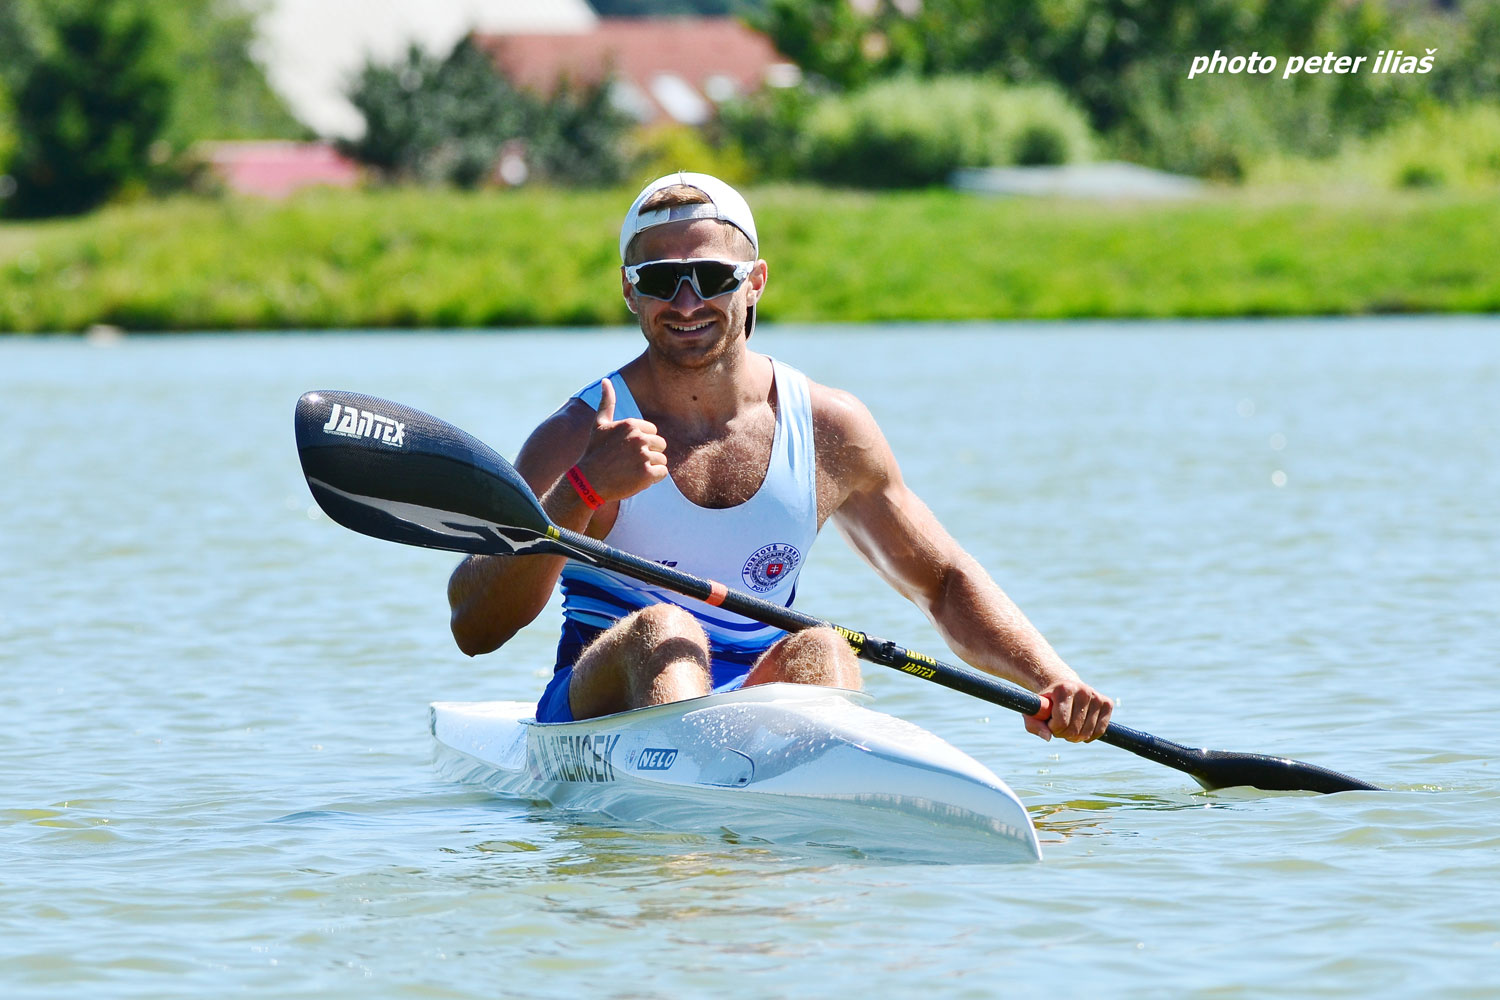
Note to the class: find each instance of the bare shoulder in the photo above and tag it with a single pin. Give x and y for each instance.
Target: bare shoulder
(841, 421)
(852, 452)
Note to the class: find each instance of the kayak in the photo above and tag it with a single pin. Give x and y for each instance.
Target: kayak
(785, 763)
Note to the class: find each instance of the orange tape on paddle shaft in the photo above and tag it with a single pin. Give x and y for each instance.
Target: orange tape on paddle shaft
(716, 593)
(1045, 712)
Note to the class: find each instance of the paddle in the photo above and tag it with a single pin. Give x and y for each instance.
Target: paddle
(396, 473)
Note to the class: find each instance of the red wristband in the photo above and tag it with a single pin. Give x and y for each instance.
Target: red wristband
(585, 492)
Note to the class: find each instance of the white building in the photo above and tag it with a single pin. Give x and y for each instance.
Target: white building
(312, 49)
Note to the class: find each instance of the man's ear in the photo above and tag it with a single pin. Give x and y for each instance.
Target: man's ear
(758, 276)
(627, 290)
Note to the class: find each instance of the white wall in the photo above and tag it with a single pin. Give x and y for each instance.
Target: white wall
(312, 48)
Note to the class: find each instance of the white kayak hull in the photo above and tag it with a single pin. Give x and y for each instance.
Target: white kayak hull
(787, 763)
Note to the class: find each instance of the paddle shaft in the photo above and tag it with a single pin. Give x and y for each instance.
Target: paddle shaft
(877, 650)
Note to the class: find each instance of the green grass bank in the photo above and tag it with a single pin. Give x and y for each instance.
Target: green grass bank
(422, 258)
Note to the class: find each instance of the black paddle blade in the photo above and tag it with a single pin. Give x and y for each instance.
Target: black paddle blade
(1227, 769)
(396, 473)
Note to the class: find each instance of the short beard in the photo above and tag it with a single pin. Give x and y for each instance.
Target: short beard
(699, 358)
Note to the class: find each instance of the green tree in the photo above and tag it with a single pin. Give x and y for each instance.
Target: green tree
(446, 120)
(1087, 46)
(578, 137)
(828, 39)
(21, 31)
(89, 110)
(222, 91)
(1467, 66)
(436, 120)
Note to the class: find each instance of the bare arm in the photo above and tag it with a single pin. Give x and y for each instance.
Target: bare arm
(491, 597)
(894, 530)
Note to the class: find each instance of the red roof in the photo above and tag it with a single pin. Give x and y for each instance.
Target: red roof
(713, 56)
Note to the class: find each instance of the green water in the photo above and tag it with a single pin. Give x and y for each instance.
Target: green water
(1280, 537)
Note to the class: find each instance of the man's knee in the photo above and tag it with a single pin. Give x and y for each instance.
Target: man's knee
(657, 638)
(657, 623)
(667, 655)
(812, 656)
(821, 641)
(651, 656)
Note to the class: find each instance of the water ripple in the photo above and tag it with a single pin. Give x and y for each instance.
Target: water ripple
(217, 773)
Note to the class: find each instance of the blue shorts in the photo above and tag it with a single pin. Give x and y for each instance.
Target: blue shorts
(729, 670)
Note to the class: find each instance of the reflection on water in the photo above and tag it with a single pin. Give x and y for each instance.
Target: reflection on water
(1098, 816)
(217, 773)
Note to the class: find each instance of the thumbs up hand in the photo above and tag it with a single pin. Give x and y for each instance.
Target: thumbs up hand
(622, 457)
(606, 413)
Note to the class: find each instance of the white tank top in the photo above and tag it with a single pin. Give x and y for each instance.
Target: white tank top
(758, 546)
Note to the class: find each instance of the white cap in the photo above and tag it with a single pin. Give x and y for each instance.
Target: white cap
(725, 204)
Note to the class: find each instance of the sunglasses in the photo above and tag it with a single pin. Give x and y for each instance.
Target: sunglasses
(660, 279)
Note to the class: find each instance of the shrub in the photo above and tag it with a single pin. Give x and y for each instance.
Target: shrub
(666, 148)
(909, 133)
(1220, 127)
(868, 140)
(1456, 145)
(1439, 147)
(1040, 144)
(768, 129)
(1419, 175)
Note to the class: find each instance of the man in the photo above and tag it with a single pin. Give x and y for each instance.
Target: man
(705, 455)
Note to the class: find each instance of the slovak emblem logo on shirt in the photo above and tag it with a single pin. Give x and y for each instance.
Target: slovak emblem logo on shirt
(769, 566)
